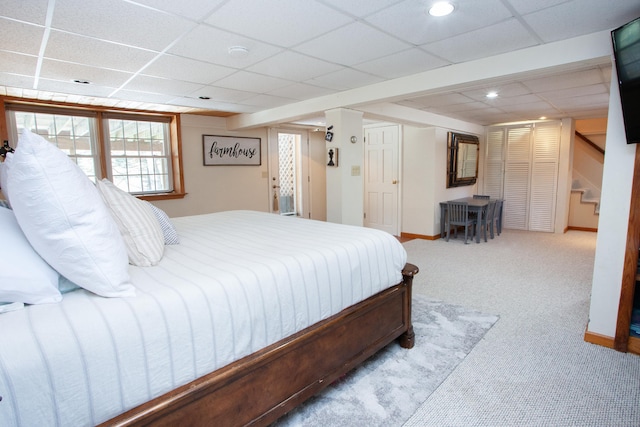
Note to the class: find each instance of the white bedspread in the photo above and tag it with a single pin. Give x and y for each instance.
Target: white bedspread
(239, 280)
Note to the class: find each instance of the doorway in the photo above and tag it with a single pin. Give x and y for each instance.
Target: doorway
(289, 172)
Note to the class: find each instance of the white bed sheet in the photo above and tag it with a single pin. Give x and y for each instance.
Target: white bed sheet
(237, 282)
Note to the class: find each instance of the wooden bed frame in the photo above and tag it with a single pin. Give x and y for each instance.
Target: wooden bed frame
(263, 386)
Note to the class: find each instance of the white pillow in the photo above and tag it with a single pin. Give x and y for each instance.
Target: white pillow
(24, 276)
(63, 216)
(137, 223)
(168, 230)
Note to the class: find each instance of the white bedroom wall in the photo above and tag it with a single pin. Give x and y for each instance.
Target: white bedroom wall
(425, 179)
(217, 188)
(617, 177)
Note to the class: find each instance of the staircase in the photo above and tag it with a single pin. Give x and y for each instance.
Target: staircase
(587, 195)
(584, 207)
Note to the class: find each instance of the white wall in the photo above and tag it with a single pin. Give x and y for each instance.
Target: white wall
(217, 188)
(614, 220)
(345, 189)
(318, 171)
(221, 188)
(425, 179)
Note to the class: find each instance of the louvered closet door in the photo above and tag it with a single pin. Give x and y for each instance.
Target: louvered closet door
(544, 176)
(494, 159)
(516, 177)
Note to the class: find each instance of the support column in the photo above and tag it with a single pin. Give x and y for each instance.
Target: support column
(345, 183)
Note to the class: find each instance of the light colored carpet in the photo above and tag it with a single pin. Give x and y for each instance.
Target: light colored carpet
(389, 387)
(533, 367)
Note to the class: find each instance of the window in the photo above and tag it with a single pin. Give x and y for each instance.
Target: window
(139, 154)
(74, 135)
(136, 151)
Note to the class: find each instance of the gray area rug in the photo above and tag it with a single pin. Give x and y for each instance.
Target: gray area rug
(388, 388)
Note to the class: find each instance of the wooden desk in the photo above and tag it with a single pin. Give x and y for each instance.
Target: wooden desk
(475, 205)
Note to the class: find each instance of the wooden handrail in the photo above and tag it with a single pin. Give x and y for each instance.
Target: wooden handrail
(591, 143)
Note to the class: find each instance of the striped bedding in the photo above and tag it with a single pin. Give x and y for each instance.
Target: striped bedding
(238, 281)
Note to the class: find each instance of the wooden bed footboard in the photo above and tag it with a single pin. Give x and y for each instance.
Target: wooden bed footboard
(265, 385)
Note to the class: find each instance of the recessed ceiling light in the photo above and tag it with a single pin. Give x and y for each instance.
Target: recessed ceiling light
(492, 95)
(238, 51)
(543, 118)
(441, 8)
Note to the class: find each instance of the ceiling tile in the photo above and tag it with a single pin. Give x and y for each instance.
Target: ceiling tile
(73, 88)
(164, 86)
(16, 81)
(212, 45)
(20, 37)
(361, 8)
(17, 63)
(96, 53)
(407, 62)
(133, 95)
(506, 101)
(197, 9)
(528, 6)
(252, 82)
(596, 89)
(65, 71)
(438, 99)
(185, 69)
(571, 19)
(283, 23)
(34, 11)
(301, 91)
(499, 38)
(409, 20)
(346, 78)
(537, 107)
(119, 21)
(582, 102)
(222, 94)
(267, 101)
(293, 66)
(565, 80)
(212, 105)
(352, 44)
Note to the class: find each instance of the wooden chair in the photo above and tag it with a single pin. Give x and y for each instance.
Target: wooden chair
(497, 217)
(487, 220)
(458, 214)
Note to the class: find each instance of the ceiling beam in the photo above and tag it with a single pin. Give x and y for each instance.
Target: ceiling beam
(566, 55)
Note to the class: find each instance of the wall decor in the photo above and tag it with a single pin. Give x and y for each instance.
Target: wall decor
(462, 159)
(332, 157)
(220, 150)
(329, 135)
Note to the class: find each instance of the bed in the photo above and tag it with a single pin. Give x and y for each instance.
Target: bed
(247, 317)
(113, 314)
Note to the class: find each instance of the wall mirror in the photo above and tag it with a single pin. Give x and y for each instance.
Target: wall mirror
(462, 159)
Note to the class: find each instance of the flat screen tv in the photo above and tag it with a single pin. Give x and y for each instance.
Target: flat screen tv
(626, 51)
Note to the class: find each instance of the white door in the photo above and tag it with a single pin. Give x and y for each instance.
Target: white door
(289, 172)
(381, 163)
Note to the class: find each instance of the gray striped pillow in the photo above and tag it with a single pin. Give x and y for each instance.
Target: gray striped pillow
(138, 225)
(168, 230)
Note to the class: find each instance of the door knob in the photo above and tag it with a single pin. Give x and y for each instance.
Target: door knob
(395, 181)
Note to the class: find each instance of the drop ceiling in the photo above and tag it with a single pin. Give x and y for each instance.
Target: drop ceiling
(175, 55)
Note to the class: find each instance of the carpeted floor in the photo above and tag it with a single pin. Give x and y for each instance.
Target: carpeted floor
(533, 368)
(388, 388)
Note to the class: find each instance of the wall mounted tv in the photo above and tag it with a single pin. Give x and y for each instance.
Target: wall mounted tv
(626, 51)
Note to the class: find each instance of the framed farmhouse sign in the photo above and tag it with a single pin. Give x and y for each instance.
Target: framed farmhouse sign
(230, 151)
